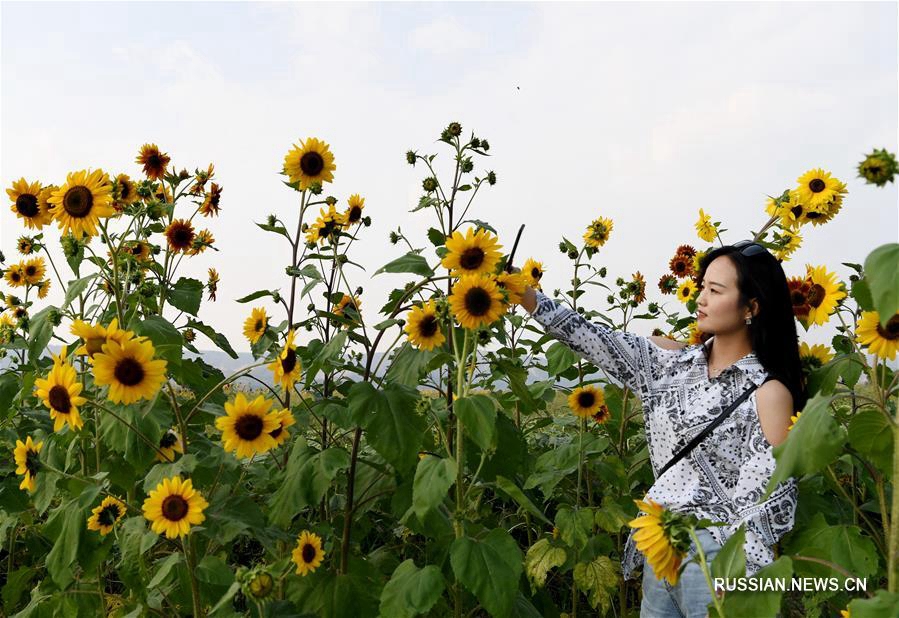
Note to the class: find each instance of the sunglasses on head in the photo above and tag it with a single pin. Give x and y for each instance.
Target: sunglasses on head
(749, 248)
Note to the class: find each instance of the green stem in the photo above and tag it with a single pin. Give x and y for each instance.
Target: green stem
(187, 547)
(705, 571)
(893, 558)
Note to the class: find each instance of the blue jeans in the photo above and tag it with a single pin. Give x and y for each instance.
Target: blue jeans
(689, 598)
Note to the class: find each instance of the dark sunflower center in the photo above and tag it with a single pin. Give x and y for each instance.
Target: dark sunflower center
(32, 462)
(16, 276)
(129, 372)
(478, 301)
(355, 214)
(137, 250)
(327, 229)
(248, 427)
(471, 258)
(892, 329)
(26, 205)
(182, 237)
(59, 399)
(536, 274)
(277, 431)
(174, 508)
(257, 327)
(289, 361)
(816, 295)
(428, 326)
(816, 185)
(813, 215)
(312, 164)
(78, 202)
(94, 345)
(586, 399)
(796, 210)
(30, 270)
(108, 515)
(308, 553)
(124, 191)
(168, 440)
(798, 298)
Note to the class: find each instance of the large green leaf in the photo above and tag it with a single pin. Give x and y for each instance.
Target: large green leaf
(216, 337)
(186, 295)
(870, 433)
(883, 604)
(882, 274)
(65, 547)
(75, 288)
(328, 353)
(411, 591)
(478, 415)
(842, 545)
(409, 263)
(575, 526)
(409, 365)
(40, 330)
(166, 339)
(489, 568)
(392, 425)
(823, 380)
(764, 602)
(559, 357)
(306, 479)
(433, 478)
(519, 496)
(597, 579)
(731, 558)
(541, 557)
(517, 377)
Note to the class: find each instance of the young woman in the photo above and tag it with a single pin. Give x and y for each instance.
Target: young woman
(744, 304)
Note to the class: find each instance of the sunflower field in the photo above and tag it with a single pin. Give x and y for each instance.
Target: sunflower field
(401, 459)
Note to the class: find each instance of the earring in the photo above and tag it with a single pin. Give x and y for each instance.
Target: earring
(749, 319)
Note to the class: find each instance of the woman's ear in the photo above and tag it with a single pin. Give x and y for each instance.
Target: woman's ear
(754, 307)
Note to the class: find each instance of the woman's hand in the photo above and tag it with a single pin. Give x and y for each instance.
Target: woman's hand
(529, 298)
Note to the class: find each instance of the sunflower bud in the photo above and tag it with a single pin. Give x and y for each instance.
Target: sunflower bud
(276, 297)
(342, 259)
(610, 299)
(310, 307)
(261, 585)
(485, 146)
(454, 129)
(394, 238)
(155, 211)
(271, 220)
(358, 291)
(467, 165)
(475, 142)
(653, 308)
(491, 177)
(189, 335)
(410, 157)
(429, 184)
(483, 337)
(602, 271)
(69, 245)
(572, 254)
(563, 248)
(619, 281)
(657, 332)
(183, 175)
(331, 200)
(2, 258)
(55, 317)
(315, 188)
(366, 221)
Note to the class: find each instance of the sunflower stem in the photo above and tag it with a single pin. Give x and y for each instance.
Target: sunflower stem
(705, 571)
(115, 276)
(187, 547)
(129, 426)
(893, 564)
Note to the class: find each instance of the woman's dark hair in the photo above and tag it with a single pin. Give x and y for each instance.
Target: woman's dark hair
(773, 331)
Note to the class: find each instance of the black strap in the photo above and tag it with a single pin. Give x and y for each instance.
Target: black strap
(711, 426)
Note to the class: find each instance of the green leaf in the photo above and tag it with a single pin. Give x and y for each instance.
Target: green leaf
(75, 288)
(330, 352)
(575, 526)
(843, 545)
(184, 465)
(478, 415)
(165, 567)
(541, 557)
(598, 578)
(433, 478)
(870, 433)
(40, 330)
(16, 584)
(9, 387)
(730, 562)
(436, 237)
(166, 339)
(305, 480)
(559, 357)
(861, 292)
(277, 229)
(489, 568)
(517, 377)
(823, 380)
(254, 296)
(186, 295)
(392, 425)
(217, 338)
(411, 591)
(884, 604)
(882, 274)
(65, 548)
(763, 602)
(611, 517)
(409, 263)
(519, 496)
(409, 365)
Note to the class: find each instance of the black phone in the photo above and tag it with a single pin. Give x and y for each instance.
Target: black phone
(514, 247)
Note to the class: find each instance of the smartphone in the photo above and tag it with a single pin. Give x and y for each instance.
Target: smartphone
(514, 247)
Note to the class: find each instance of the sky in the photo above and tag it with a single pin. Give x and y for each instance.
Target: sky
(640, 112)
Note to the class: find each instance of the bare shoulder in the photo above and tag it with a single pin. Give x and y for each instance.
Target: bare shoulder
(775, 406)
(667, 344)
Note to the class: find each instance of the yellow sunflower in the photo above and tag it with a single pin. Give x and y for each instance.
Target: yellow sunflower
(43, 288)
(474, 253)
(598, 232)
(174, 506)
(826, 291)
(202, 241)
(813, 357)
(254, 326)
(287, 368)
(310, 162)
(880, 341)
(476, 301)
(27, 462)
(585, 401)
(789, 242)
(280, 434)
(27, 205)
(79, 204)
(652, 538)
(695, 335)
(95, 336)
(347, 301)
(308, 553)
(61, 392)
(793, 419)
(212, 283)
(821, 214)
(818, 188)
(325, 227)
(705, 229)
(128, 368)
(423, 326)
(107, 515)
(25, 245)
(637, 287)
(170, 443)
(247, 426)
(139, 250)
(686, 291)
(514, 284)
(15, 275)
(533, 272)
(154, 162)
(212, 201)
(124, 191)
(180, 235)
(34, 270)
(353, 213)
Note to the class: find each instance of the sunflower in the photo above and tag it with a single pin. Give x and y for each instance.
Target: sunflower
(667, 284)
(20, 313)
(212, 283)
(423, 326)
(154, 162)
(128, 368)
(247, 426)
(7, 328)
(476, 301)
(61, 392)
(139, 250)
(585, 401)
(162, 194)
(173, 506)
(637, 287)
(823, 213)
(800, 290)
(880, 341)
(846, 613)
(347, 301)
(681, 266)
(697, 260)
(170, 443)
(826, 292)
(203, 240)
(813, 357)
(287, 367)
(695, 335)
(34, 270)
(598, 232)
(817, 188)
(788, 243)
(95, 336)
(686, 291)
(124, 191)
(15, 277)
(43, 288)
(686, 250)
(705, 229)
(533, 272)
(878, 168)
(211, 202)
(353, 213)
(653, 538)
(325, 227)
(79, 204)
(310, 162)
(793, 420)
(602, 415)
(514, 284)
(107, 515)
(25, 245)
(27, 204)
(475, 253)
(280, 434)
(254, 326)
(308, 553)
(27, 462)
(180, 235)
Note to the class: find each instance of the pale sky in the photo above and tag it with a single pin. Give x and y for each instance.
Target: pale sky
(641, 112)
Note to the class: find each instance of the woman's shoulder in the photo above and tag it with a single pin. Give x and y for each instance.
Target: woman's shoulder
(667, 344)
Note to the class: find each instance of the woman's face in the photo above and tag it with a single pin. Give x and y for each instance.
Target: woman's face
(718, 309)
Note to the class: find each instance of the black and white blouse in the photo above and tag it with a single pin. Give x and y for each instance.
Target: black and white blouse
(724, 477)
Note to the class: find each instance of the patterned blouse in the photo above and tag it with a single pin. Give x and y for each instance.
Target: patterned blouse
(724, 477)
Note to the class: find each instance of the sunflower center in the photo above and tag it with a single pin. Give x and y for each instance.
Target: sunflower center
(168, 440)
(327, 229)
(796, 210)
(248, 427)
(257, 327)
(26, 205)
(471, 258)
(129, 372)
(108, 515)
(312, 164)
(813, 215)
(308, 553)
(182, 237)
(124, 191)
(174, 507)
(289, 361)
(586, 399)
(30, 270)
(277, 431)
(78, 201)
(816, 295)
(816, 185)
(355, 214)
(16, 276)
(891, 331)
(137, 250)
(478, 301)
(32, 462)
(428, 326)
(94, 345)
(59, 399)
(536, 274)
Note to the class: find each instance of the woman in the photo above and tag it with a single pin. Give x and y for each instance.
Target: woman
(744, 303)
